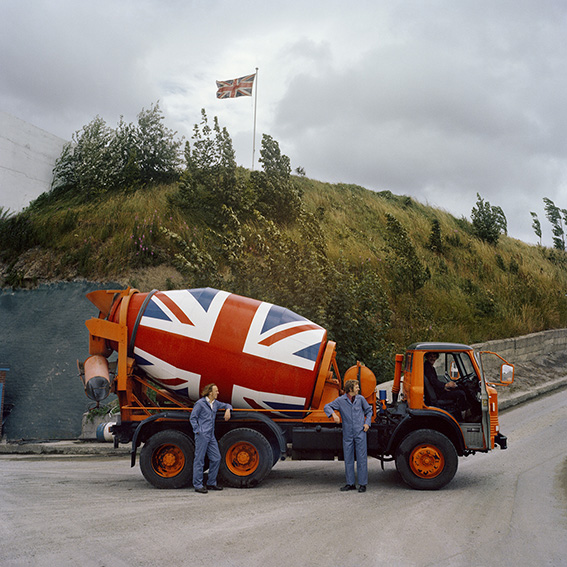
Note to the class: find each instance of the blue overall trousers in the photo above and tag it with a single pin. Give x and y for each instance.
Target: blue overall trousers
(203, 422)
(354, 415)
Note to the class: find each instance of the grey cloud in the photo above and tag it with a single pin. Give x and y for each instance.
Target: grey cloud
(436, 99)
(459, 107)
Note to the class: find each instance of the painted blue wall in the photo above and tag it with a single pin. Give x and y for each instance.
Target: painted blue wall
(42, 334)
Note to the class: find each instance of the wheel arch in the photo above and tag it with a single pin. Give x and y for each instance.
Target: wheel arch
(428, 419)
(156, 423)
(261, 423)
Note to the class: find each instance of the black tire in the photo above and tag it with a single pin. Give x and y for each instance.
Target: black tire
(166, 459)
(275, 451)
(426, 460)
(247, 458)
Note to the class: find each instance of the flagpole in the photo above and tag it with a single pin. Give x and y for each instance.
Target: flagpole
(255, 105)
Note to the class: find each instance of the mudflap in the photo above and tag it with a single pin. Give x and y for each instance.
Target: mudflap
(501, 440)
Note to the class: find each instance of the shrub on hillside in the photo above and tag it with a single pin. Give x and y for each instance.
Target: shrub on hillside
(488, 221)
(101, 159)
(278, 197)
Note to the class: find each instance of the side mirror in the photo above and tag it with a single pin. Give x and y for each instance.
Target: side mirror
(506, 374)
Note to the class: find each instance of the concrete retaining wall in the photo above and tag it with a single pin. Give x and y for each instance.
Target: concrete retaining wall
(528, 347)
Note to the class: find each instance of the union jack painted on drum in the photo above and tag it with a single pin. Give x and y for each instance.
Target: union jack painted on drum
(187, 338)
(279, 334)
(234, 88)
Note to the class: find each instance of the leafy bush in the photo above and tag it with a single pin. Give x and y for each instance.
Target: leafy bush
(553, 215)
(488, 221)
(278, 197)
(435, 240)
(101, 160)
(210, 179)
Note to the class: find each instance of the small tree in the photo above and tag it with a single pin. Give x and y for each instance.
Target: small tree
(500, 219)
(536, 225)
(91, 157)
(157, 151)
(210, 180)
(278, 197)
(488, 222)
(435, 243)
(553, 215)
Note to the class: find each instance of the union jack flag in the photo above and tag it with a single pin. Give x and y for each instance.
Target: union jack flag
(233, 88)
(189, 338)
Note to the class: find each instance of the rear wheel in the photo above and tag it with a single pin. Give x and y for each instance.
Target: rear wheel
(276, 451)
(166, 459)
(247, 458)
(426, 460)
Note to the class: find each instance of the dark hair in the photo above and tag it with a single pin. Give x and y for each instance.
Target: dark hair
(349, 385)
(207, 390)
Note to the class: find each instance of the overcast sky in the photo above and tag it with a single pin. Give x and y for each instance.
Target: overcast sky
(435, 99)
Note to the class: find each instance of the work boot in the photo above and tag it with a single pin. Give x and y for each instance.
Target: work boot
(348, 487)
(201, 490)
(362, 488)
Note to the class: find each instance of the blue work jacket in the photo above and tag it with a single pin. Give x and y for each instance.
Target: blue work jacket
(354, 415)
(203, 416)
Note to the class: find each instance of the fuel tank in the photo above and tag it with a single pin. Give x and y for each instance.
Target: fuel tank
(260, 356)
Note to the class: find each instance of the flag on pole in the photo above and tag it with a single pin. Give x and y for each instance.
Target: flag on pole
(234, 88)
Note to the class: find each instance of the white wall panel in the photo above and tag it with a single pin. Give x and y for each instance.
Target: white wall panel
(27, 158)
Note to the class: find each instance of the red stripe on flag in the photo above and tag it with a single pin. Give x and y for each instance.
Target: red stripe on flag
(287, 333)
(175, 309)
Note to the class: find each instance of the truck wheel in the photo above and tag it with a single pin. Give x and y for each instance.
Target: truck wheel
(166, 459)
(426, 460)
(247, 457)
(276, 452)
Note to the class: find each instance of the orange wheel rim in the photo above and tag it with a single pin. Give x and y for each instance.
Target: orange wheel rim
(168, 461)
(242, 458)
(426, 461)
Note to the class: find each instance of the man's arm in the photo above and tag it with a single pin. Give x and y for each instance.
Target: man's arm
(330, 408)
(227, 409)
(367, 414)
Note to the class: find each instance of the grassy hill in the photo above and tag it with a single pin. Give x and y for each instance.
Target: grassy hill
(367, 266)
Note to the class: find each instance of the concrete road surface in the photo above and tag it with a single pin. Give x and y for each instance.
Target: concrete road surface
(502, 508)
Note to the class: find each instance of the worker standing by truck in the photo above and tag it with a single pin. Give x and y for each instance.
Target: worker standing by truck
(203, 423)
(356, 414)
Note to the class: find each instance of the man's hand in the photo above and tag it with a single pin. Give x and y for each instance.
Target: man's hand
(227, 415)
(450, 385)
(366, 427)
(336, 417)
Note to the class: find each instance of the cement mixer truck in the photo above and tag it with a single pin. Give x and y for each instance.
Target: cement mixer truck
(157, 350)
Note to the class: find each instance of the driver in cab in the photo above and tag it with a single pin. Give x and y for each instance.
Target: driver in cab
(443, 390)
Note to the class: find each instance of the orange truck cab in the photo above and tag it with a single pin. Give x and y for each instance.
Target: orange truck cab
(426, 418)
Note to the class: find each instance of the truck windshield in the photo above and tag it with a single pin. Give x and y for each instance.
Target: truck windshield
(468, 367)
(454, 365)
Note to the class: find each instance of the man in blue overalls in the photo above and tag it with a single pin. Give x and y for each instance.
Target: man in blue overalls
(203, 423)
(356, 414)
